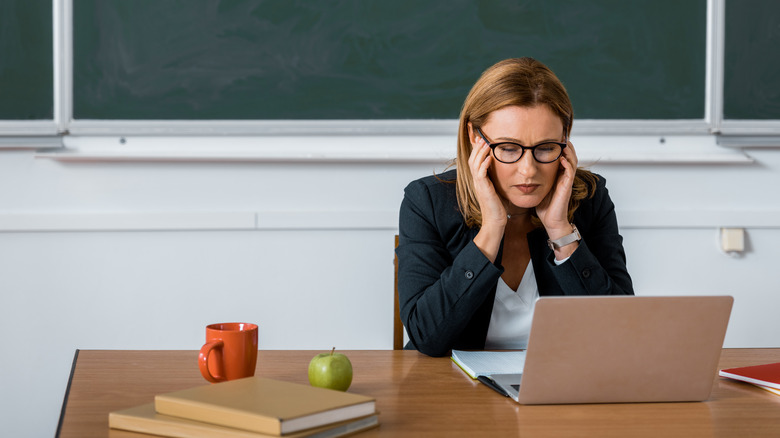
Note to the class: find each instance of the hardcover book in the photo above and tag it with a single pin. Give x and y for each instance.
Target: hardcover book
(144, 419)
(264, 405)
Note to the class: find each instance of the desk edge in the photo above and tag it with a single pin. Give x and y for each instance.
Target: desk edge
(67, 393)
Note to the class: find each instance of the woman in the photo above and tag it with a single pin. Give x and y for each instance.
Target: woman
(514, 221)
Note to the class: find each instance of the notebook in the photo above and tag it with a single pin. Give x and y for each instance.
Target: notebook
(766, 376)
(620, 349)
(486, 363)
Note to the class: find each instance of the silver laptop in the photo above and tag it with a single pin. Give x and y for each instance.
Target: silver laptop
(621, 349)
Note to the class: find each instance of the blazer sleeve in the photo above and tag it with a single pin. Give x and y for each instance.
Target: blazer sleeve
(443, 278)
(598, 266)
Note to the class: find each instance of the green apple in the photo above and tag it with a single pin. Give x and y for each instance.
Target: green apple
(330, 370)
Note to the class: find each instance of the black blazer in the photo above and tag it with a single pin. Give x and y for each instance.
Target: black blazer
(446, 286)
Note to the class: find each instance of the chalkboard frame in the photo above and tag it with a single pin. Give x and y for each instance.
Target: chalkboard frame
(346, 127)
(736, 132)
(64, 124)
(35, 129)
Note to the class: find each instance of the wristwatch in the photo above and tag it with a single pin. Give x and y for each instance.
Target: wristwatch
(565, 240)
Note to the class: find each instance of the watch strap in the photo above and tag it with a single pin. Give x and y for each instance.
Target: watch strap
(565, 240)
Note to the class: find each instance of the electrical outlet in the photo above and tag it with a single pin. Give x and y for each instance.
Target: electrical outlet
(732, 239)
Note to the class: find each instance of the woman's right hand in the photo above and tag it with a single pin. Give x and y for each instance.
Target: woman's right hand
(490, 205)
(494, 216)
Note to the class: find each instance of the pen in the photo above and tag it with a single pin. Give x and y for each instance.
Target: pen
(492, 384)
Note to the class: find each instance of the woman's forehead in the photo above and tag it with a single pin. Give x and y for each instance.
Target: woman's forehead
(523, 123)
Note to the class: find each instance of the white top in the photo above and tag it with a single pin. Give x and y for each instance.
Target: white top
(510, 322)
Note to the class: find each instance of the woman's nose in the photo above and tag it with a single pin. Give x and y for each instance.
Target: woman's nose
(527, 164)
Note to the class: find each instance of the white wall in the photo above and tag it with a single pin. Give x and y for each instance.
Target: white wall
(142, 255)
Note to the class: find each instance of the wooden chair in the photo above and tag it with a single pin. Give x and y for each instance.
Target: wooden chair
(398, 326)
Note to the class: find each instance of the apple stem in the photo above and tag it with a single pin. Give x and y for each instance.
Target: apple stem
(331, 351)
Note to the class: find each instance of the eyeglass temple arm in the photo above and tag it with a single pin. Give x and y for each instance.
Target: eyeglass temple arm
(479, 131)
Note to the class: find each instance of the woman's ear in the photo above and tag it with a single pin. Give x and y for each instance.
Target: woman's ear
(472, 133)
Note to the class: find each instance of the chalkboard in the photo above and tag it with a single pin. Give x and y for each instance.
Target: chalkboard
(751, 77)
(370, 59)
(26, 60)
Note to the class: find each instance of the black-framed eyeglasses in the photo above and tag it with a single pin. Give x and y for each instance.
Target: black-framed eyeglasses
(509, 152)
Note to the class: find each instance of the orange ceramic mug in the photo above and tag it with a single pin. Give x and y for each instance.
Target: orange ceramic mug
(230, 351)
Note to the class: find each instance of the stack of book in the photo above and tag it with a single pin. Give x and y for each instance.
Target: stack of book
(251, 408)
(764, 376)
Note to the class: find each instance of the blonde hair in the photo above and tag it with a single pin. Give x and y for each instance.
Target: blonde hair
(523, 82)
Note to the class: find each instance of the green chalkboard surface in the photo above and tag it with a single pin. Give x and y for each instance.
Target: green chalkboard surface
(26, 60)
(751, 74)
(370, 59)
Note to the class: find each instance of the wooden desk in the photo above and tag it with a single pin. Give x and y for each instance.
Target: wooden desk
(422, 396)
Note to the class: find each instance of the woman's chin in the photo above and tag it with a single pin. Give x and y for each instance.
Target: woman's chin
(525, 202)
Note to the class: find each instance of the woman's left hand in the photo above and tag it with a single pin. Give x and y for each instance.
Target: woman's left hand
(554, 208)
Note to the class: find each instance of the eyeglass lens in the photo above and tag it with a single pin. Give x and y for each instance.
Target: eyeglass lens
(512, 152)
(543, 153)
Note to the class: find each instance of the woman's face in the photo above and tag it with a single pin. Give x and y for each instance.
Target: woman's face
(523, 184)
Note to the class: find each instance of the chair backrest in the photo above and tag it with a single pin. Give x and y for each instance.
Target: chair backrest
(398, 326)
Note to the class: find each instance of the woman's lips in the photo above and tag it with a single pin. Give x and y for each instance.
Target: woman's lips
(527, 188)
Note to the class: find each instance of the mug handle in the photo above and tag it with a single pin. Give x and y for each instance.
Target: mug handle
(203, 360)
